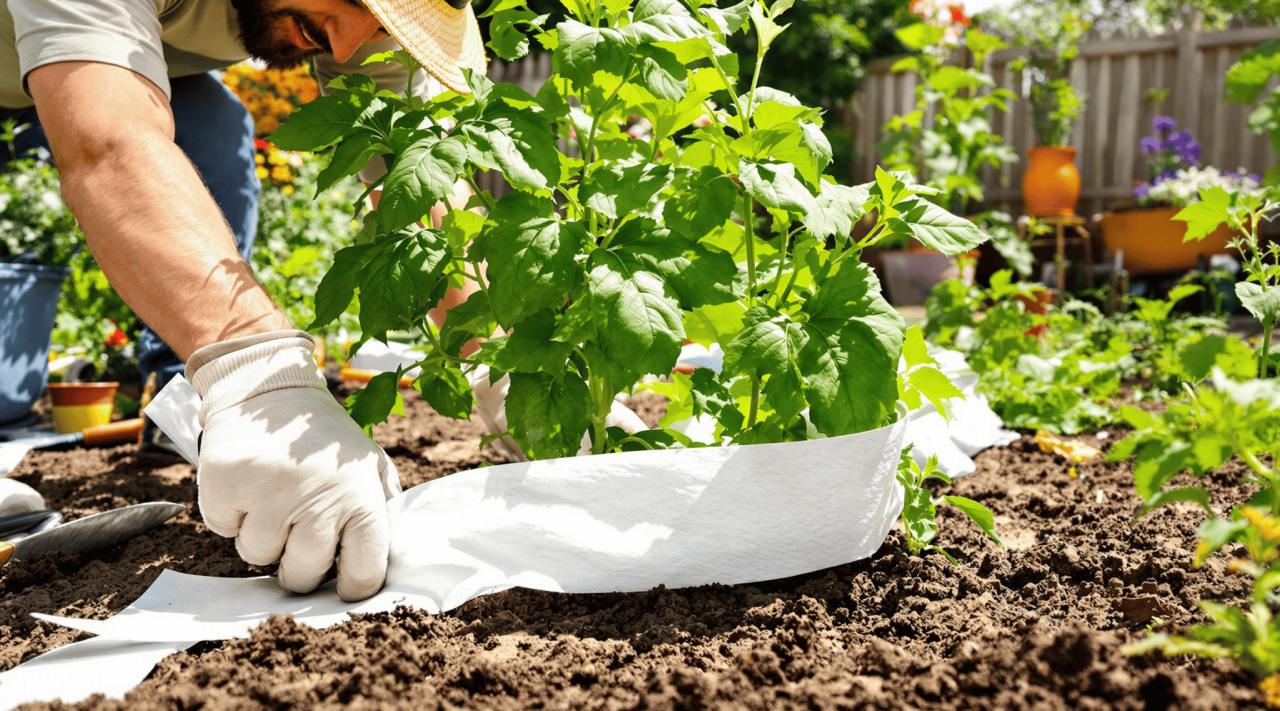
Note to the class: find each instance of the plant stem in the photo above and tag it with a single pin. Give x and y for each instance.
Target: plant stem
(754, 412)
(1263, 365)
(485, 197)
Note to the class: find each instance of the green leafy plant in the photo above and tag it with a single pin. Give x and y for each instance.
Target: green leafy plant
(35, 224)
(1244, 213)
(1200, 433)
(718, 226)
(948, 139)
(1251, 81)
(920, 507)
(1051, 33)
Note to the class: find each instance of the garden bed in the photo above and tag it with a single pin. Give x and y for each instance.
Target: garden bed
(1039, 625)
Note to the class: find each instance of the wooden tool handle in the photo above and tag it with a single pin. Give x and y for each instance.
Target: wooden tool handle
(359, 375)
(114, 433)
(6, 550)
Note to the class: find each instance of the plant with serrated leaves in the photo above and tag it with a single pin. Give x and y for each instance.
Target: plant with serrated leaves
(1199, 433)
(947, 138)
(1251, 81)
(920, 507)
(1244, 213)
(719, 227)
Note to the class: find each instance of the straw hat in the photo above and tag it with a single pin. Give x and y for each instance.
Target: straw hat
(442, 35)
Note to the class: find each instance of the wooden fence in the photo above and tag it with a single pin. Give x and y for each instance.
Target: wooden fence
(1118, 77)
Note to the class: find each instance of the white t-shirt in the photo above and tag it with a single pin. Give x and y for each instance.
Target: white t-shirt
(158, 39)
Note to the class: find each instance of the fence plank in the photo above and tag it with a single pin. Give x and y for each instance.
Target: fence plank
(1117, 76)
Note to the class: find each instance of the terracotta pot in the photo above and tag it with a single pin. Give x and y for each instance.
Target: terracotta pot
(1152, 240)
(910, 274)
(1051, 185)
(79, 406)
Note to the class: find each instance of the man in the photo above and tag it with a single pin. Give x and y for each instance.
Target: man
(156, 161)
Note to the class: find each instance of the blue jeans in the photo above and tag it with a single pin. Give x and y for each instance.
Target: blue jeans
(216, 132)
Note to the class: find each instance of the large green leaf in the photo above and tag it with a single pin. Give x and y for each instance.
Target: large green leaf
(836, 210)
(446, 389)
(520, 144)
(697, 275)
(318, 124)
(1262, 302)
(529, 348)
(663, 21)
(548, 416)
(375, 402)
(938, 229)
(338, 287)
(768, 344)
(403, 278)
(700, 202)
(619, 189)
(423, 175)
(638, 323)
(850, 360)
(775, 185)
(531, 257)
(584, 50)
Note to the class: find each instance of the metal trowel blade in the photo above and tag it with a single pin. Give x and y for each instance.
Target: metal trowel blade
(98, 530)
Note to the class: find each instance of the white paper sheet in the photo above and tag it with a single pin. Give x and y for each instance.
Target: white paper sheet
(623, 522)
(77, 671)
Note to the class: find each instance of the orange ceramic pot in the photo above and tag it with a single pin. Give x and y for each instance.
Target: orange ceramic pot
(1152, 241)
(1051, 185)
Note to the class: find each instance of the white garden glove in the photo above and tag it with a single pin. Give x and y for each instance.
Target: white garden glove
(491, 399)
(284, 470)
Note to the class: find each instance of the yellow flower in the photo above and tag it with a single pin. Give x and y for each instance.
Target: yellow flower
(281, 174)
(263, 173)
(1270, 688)
(1267, 527)
(259, 159)
(287, 190)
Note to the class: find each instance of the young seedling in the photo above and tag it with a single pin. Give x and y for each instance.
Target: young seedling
(920, 507)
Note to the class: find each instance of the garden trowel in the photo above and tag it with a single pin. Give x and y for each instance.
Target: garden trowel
(91, 532)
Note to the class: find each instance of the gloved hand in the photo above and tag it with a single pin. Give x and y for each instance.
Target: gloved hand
(491, 400)
(283, 468)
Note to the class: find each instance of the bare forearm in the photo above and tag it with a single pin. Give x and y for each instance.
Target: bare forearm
(150, 221)
(163, 243)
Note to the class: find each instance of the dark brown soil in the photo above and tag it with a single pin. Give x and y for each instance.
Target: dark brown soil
(1039, 625)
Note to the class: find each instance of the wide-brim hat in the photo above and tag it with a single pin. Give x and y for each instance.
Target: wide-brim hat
(442, 35)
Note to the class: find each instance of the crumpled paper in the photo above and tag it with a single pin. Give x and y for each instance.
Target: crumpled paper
(612, 523)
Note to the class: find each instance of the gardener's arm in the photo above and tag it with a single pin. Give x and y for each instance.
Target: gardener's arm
(149, 220)
(283, 469)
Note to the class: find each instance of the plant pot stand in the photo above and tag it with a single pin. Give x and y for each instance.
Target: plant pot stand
(1067, 230)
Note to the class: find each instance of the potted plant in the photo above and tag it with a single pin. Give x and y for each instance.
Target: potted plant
(38, 236)
(947, 140)
(1145, 231)
(1051, 34)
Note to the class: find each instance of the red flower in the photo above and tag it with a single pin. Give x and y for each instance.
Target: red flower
(958, 17)
(261, 145)
(117, 339)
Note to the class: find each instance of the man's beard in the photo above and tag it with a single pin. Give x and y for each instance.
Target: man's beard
(264, 35)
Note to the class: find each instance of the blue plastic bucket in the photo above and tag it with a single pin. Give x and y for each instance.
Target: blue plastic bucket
(28, 304)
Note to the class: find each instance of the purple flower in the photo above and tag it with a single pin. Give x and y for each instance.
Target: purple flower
(1150, 145)
(1178, 139)
(1190, 153)
(1255, 178)
(1142, 191)
(1163, 124)
(1165, 175)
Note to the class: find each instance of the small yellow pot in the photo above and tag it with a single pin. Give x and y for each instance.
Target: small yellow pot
(79, 406)
(1152, 240)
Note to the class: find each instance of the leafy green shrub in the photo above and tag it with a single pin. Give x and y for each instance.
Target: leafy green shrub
(718, 226)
